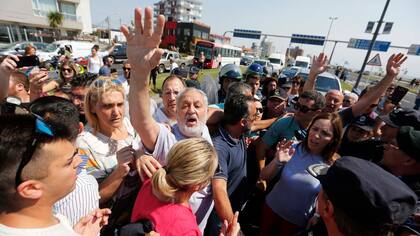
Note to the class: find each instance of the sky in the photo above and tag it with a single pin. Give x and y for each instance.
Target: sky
(309, 17)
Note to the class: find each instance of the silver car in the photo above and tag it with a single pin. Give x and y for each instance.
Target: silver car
(324, 82)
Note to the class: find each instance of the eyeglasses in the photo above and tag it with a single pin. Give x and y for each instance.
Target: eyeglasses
(100, 82)
(302, 108)
(126, 68)
(41, 128)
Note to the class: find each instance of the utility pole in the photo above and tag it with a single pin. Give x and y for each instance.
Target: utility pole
(372, 42)
(109, 30)
(329, 29)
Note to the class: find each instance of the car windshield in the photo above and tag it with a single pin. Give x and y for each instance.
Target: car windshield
(290, 72)
(323, 84)
(51, 47)
(301, 64)
(263, 63)
(274, 60)
(201, 48)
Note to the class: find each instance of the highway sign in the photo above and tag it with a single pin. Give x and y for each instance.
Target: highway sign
(369, 27)
(375, 61)
(364, 44)
(387, 27)
(307, 39)
(250, 34)
(414, 49)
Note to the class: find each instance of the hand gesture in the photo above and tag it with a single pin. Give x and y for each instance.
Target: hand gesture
(142, 44)
(394, 64)
(37, 80)
(91, 224)
(284, 151)
(319, 64)
(147, 166)
(8, 65)
(231, 229)
(124, 157)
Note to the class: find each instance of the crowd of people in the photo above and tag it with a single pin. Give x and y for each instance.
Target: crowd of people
(94, 154)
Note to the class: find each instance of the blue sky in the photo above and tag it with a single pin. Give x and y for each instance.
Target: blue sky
(285, 17)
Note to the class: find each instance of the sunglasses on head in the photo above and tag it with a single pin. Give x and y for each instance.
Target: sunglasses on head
(41, 128)
(302, 108)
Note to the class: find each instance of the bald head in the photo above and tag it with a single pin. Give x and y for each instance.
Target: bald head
(334, 100)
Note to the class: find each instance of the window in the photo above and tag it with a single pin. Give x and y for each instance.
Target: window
(4, 34)
(69, 10)
(43, 7)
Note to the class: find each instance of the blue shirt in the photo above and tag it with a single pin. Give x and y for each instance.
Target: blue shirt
(232, 166)
(293, 196)
(105, 71)
(282, 129)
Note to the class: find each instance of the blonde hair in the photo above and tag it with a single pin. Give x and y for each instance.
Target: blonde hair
(100, 86)
(190, 162)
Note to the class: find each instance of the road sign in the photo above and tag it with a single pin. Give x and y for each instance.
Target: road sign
(250, 34)
(387, 27)
(369, 27)
(364, 44)
(414, 49)
(307, 39)
(375, 61)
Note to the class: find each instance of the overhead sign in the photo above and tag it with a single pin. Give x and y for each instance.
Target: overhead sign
(369, 27)
(381, 46)
(387, 27)
(414, 49)
(250, 34)
(307, 39)
(375, 61)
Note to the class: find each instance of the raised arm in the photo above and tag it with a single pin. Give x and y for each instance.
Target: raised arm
(143, 54)
(7, 66)
(111, 48)
(392, 69)
(319, 65)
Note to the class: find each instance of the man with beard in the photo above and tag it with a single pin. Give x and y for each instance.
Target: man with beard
(191, 107)
(334, 98)
(230, 180)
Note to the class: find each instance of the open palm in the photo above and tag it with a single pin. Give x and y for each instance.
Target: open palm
(394, 64)
(319, 63)
(143, 43)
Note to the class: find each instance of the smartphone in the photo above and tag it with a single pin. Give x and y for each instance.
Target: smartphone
(26, 61)
(398, 94)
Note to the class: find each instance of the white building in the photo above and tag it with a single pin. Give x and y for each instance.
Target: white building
(179, 10)
(26, 20)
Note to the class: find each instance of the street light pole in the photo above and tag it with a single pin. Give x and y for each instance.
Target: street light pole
(329, 30)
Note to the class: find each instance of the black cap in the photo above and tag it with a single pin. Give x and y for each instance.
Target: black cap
(408, 141)
(364, 122)
(194, 70)
(182, 73)
(402, 117)
(287, 85)
(279, 93)
(365, 192)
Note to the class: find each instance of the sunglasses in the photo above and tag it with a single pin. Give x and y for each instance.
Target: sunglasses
(295, 82)
(126, 68)
(302, 108)
(101, 82)
(260, 110)
(41, 128)
(67, 69)
(346, 100)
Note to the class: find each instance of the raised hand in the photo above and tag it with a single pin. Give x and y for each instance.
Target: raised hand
(142, 43)
(319, 64)
(231, 229)
(284, 151)
(394, 64)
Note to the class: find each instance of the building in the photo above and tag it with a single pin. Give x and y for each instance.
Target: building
(267, 48)
(179, 10)
(26, 20)
(184, 35)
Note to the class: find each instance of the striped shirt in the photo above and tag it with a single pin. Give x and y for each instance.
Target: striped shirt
(83, 199)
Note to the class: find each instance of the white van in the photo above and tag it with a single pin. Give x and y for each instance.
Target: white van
(80, 49)
(277, 60)
(302, 62)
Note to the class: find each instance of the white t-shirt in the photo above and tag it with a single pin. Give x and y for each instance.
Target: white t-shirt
(161, 117)
(63, 228)
(95, 64)
(201, 202)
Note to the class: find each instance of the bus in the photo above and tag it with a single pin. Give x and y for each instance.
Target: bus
(216, 54)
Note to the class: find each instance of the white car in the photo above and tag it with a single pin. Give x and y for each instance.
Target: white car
(324, 82)
(80, 49)
(277, 60)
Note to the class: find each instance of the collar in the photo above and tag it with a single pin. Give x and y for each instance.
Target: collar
(229, 139)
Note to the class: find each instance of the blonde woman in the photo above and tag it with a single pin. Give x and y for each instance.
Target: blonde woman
(163, 199)
(108, 137)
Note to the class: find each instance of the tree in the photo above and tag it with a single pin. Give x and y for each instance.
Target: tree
(55, 19)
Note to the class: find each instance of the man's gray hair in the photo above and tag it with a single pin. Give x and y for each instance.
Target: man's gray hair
(182, 94)
(238, 88)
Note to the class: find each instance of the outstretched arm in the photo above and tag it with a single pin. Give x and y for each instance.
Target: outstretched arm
(392, 69)
(319, 65)
(7, 66)
(143, 54)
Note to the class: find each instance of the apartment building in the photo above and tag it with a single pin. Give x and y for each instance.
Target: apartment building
(26, 20)
(179, 10)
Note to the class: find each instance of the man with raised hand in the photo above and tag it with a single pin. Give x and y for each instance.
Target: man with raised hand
(191, 111)
(319, 65)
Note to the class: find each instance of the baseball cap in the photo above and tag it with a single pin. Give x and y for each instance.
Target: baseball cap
(287, 85)
(365, 192)
(182, 73)
(402, 117)
(364, 122)
(408, 140)
(279, 93)
(194, 70)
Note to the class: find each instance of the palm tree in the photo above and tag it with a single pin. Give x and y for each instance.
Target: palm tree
(55, 19)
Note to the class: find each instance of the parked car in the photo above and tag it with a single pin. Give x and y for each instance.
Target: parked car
(268, 67)
(119, 54)
(278, 61)
(246, 60)
(290, 72)
(324, 82)
(165, 65)
(303, 62)
(80, 49)
(19, 48)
